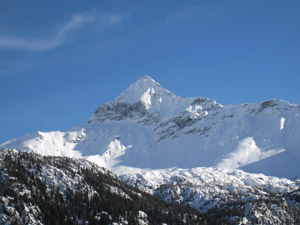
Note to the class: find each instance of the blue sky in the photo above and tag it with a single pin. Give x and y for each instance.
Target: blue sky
(60, 60)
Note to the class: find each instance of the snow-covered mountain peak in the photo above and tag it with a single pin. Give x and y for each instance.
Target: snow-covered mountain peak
(147, 98)
(144, 90)
(163, 130)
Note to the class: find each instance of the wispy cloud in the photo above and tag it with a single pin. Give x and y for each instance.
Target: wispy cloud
(185, 14)
(76, 22)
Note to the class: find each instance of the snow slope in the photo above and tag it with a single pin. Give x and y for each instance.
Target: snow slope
(147, 127)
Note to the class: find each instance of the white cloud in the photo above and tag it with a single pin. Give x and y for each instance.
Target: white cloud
(247, 152)
(185, 14)
(77, 21)
(29, 44)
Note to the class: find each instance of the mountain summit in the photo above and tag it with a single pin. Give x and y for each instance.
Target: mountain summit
(148, 127)
(143, 90)
(146, 97)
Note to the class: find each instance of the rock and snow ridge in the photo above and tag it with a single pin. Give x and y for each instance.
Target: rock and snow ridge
(147, 127)
(146, 96)
(253, 198)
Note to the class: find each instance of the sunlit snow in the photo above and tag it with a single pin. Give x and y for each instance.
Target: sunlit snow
(146, 98)
(247, 152)
(282, 120)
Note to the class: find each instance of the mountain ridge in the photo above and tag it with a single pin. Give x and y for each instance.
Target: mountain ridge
(148, 127)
